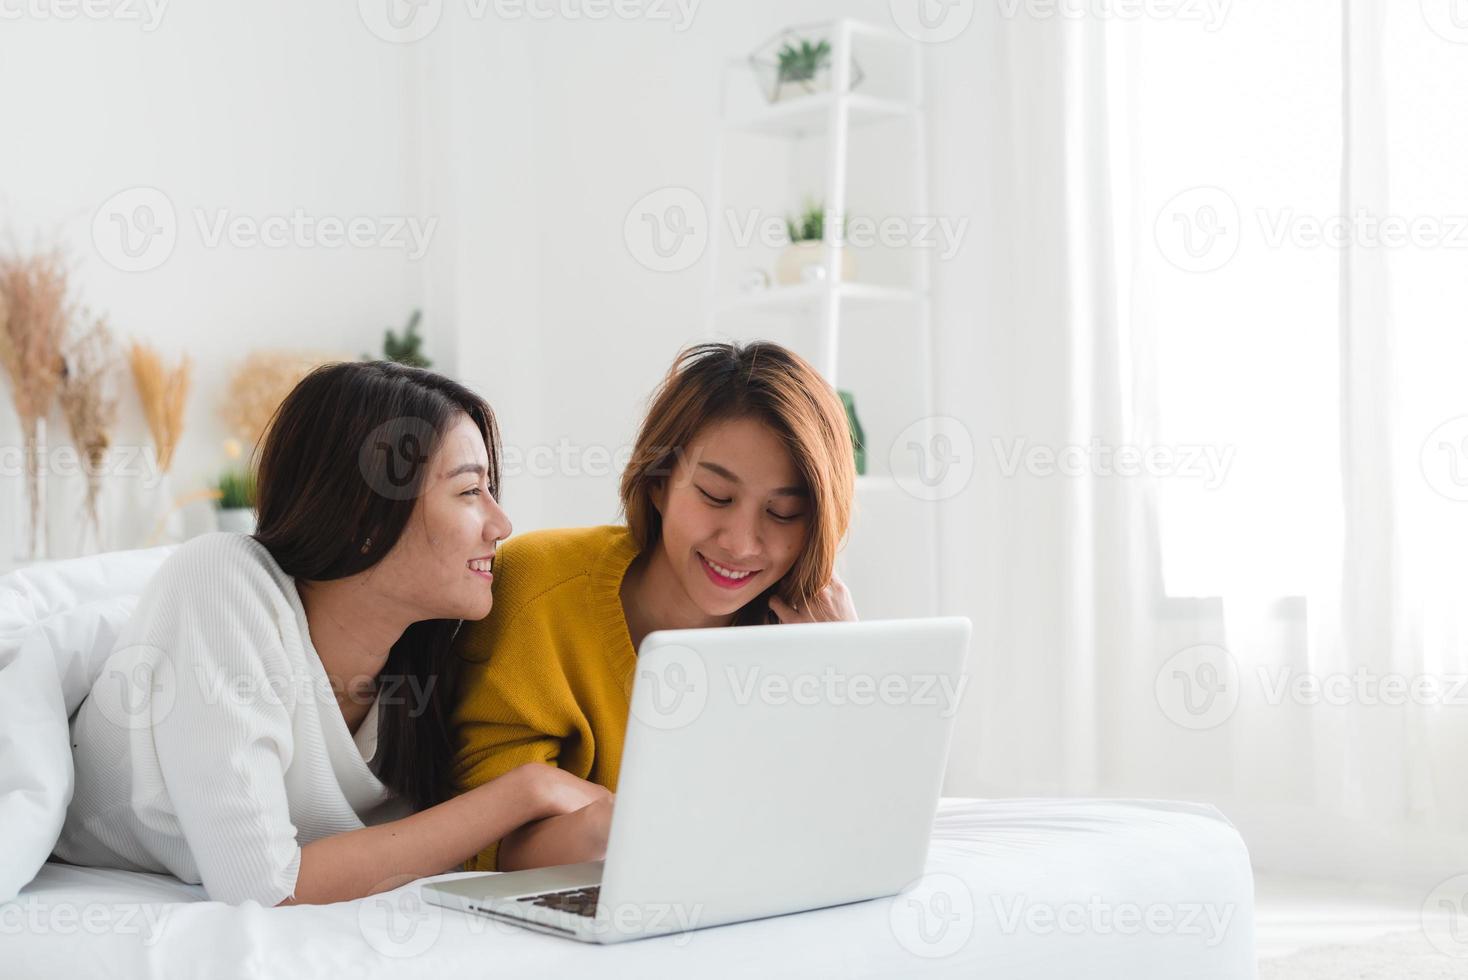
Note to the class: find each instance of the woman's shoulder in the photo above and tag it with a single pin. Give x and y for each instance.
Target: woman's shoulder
(558, 553)
(221, 569)
(221, 556)
(217, 599)
(545, 574)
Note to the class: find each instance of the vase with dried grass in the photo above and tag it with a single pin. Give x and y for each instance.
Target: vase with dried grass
(257, 387)
(164, 392)
(89, 403)
(35, 310)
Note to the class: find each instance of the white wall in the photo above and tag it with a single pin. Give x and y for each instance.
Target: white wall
(553, 309)
(559, 324)
(528, 141)
(260, 109)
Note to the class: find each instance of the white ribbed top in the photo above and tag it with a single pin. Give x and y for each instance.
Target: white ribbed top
(212, 747)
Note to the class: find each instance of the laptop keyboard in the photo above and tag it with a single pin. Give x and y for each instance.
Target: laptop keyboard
(577, 901)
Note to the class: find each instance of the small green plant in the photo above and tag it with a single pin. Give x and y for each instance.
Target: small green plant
(800, 64)
(810, 224)
(407, 349)
(236, 490)
(858, 434)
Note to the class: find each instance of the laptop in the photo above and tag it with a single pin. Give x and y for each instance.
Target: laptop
(767, 770)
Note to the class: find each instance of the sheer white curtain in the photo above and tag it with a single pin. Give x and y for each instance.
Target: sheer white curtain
(1240, 245)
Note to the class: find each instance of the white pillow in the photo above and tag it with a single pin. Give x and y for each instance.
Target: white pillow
(58, 624)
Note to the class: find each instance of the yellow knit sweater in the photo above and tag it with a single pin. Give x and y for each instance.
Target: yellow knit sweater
(547, 675)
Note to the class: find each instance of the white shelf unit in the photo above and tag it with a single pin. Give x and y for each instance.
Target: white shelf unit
(894, 534)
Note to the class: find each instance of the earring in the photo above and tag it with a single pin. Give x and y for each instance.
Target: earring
(365, 545)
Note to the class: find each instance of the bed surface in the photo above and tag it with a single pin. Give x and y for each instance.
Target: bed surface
(1024, 888)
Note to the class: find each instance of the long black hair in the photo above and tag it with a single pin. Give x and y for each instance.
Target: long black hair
(340, 472)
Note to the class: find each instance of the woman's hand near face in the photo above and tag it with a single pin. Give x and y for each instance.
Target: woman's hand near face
(830, 605)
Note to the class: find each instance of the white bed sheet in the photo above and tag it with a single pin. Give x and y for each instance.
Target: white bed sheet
(1030, 888)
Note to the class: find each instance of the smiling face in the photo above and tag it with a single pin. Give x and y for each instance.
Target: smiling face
(734, 515)
(440, 565)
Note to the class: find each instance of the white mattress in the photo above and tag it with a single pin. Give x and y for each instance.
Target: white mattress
(1014, 889)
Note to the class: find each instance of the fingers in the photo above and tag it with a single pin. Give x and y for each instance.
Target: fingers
(784, 610)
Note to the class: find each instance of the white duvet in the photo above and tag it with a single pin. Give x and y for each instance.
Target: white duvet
(1130, 890)
(1053, 889)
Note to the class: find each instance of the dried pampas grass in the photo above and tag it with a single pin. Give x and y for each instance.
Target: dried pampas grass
(164, 393)
(89, 402)
(36, 313)
(260, 384)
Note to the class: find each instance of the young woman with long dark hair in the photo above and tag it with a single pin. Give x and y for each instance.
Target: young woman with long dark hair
(274, 721)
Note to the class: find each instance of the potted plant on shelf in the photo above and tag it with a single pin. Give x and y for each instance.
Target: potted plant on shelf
(804, 259)
(407, 349)
(235, 497)
(858, 434)
(795, 63)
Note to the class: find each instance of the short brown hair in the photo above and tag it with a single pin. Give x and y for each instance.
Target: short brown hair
(711, 383)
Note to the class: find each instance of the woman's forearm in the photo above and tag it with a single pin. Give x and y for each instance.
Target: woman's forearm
(374, 859)
(566, 839)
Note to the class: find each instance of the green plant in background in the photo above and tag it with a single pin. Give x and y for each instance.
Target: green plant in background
(858, 435)
(800, 64)
(236, 489)
(407, 349)
(810, 224)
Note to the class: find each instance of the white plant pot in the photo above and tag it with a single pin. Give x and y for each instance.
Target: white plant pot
(806, 262)
(239, 520)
